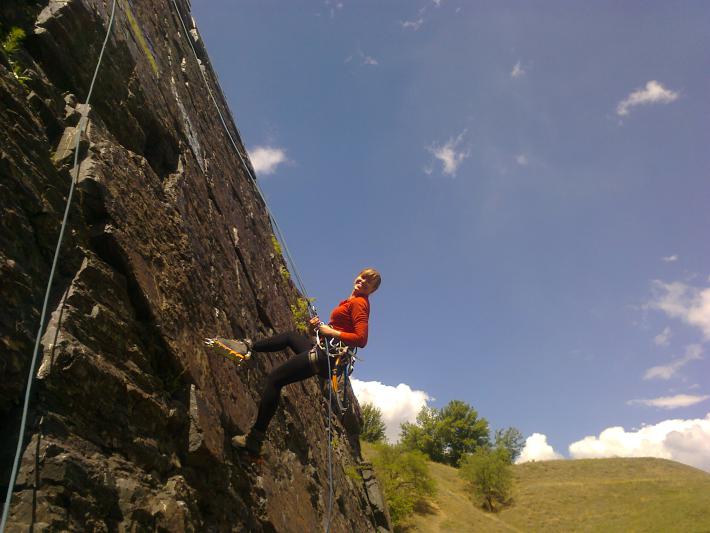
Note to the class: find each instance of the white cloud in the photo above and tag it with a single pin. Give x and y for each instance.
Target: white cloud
(654, 93)
(412, 24)
(266, 159)
(670, 258)
(686, 441)
(537, 449)
(364, 59)
(398, 404)
(671, 402)
(663, 338)
(522, 160)
(679, 300)
(518, 71)
(449, 154)
(333, 6)
(693, 352)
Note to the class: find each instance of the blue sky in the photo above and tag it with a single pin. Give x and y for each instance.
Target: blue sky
(532, 181)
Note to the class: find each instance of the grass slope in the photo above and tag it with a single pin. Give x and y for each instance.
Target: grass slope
(604, 495)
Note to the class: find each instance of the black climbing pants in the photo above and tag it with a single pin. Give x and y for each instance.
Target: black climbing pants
(296, 369)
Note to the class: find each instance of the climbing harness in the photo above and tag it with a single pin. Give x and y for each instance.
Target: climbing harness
(342, 363)
(33, 363)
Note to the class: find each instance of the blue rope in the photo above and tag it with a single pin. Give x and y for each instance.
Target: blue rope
(43, 315)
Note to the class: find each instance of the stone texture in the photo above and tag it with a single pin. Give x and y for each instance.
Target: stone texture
(168, 242)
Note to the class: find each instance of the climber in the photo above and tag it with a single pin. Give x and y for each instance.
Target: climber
(348, 324)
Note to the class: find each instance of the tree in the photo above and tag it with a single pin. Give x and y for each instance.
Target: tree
(373, 428)
(512, 440)
(404, 476)
(489, 473)
(446, 435)
(423, 435)
(461, 430)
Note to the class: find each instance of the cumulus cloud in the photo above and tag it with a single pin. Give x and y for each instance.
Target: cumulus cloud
(398, 404)
(692, 353)
(518, 71)
(679, 300)
(653, 93)
(266, 159)
(449, 154)
(537, 449)
(671, 402)
(686, 441)
(670, 258)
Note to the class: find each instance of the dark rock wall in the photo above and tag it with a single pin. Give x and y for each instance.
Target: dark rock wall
(168, 242)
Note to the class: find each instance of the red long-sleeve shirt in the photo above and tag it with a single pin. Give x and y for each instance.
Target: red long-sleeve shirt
(351, 319)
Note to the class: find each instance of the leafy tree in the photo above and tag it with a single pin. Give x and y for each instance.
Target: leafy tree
(447, 434)
(373, 428)
(512, 440)
(423, 435)
(404, 476)
(489, 473)
(461, 430)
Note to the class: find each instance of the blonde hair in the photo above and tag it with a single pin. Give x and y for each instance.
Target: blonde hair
(371, 274)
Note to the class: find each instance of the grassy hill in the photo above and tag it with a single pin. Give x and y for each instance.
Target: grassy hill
(605, 495)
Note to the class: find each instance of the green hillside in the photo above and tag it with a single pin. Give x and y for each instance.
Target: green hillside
(605, 495)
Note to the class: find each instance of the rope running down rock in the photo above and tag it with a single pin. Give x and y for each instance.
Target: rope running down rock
(74, 177)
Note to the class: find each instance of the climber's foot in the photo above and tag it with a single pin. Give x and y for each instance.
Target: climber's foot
(237, 350)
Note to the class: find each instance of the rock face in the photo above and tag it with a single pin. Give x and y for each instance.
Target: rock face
(168, 242)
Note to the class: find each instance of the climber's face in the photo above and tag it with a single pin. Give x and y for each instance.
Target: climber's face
(363, 286)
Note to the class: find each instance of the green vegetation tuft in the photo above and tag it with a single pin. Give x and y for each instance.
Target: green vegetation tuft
(12, 41)
(276, 245)
(353, 473)
(11, 45)
(300, 313)
(285, 274)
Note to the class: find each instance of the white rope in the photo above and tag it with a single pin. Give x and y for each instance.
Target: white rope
(289, 257)
(279, 233)
(43, 315)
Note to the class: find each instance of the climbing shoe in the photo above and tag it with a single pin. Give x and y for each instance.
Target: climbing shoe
(234, 349)
(250, 443)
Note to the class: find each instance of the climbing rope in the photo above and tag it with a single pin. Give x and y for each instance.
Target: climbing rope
(274, 223)
(330, 436)
(289, 258)
(33, 363)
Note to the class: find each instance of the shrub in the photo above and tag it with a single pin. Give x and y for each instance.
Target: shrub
(489, 473)
(405, 480)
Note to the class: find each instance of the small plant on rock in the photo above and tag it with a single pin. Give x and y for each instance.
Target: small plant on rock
(11, 46)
